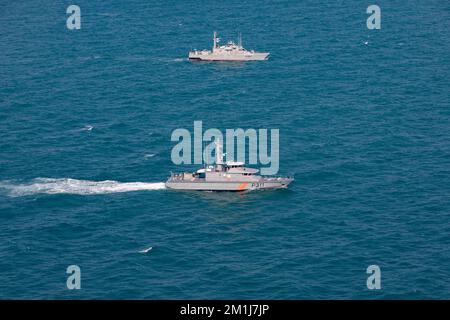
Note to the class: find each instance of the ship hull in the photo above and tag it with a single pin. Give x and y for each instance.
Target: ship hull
(257, 56)
(276, 183)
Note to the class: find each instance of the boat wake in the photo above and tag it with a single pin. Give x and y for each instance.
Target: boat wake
(74, 186)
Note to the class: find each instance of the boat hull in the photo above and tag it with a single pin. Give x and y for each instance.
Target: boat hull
(257, 56)
(275, 183)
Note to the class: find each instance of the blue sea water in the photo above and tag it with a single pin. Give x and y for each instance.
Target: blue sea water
(364, 126)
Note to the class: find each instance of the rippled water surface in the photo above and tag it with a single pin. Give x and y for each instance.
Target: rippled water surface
(85, 124)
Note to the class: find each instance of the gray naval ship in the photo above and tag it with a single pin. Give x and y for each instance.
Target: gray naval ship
(229, 176)
(228, 52)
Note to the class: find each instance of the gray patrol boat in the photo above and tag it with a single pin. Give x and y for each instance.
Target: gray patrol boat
(229, 52)
(229, 176)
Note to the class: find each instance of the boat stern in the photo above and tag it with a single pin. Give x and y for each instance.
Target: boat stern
(199, 55)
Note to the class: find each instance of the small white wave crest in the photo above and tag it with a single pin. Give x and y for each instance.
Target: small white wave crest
(74, 186)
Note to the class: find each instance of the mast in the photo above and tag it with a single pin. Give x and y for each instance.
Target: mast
(219, 154)
(215, 41)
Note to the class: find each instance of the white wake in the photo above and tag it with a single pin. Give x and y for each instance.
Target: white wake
(74, 186)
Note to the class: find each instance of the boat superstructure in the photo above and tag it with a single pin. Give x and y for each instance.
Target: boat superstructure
(229, 52)
(225, 176)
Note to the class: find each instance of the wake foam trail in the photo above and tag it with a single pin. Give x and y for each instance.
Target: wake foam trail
(74, 186)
